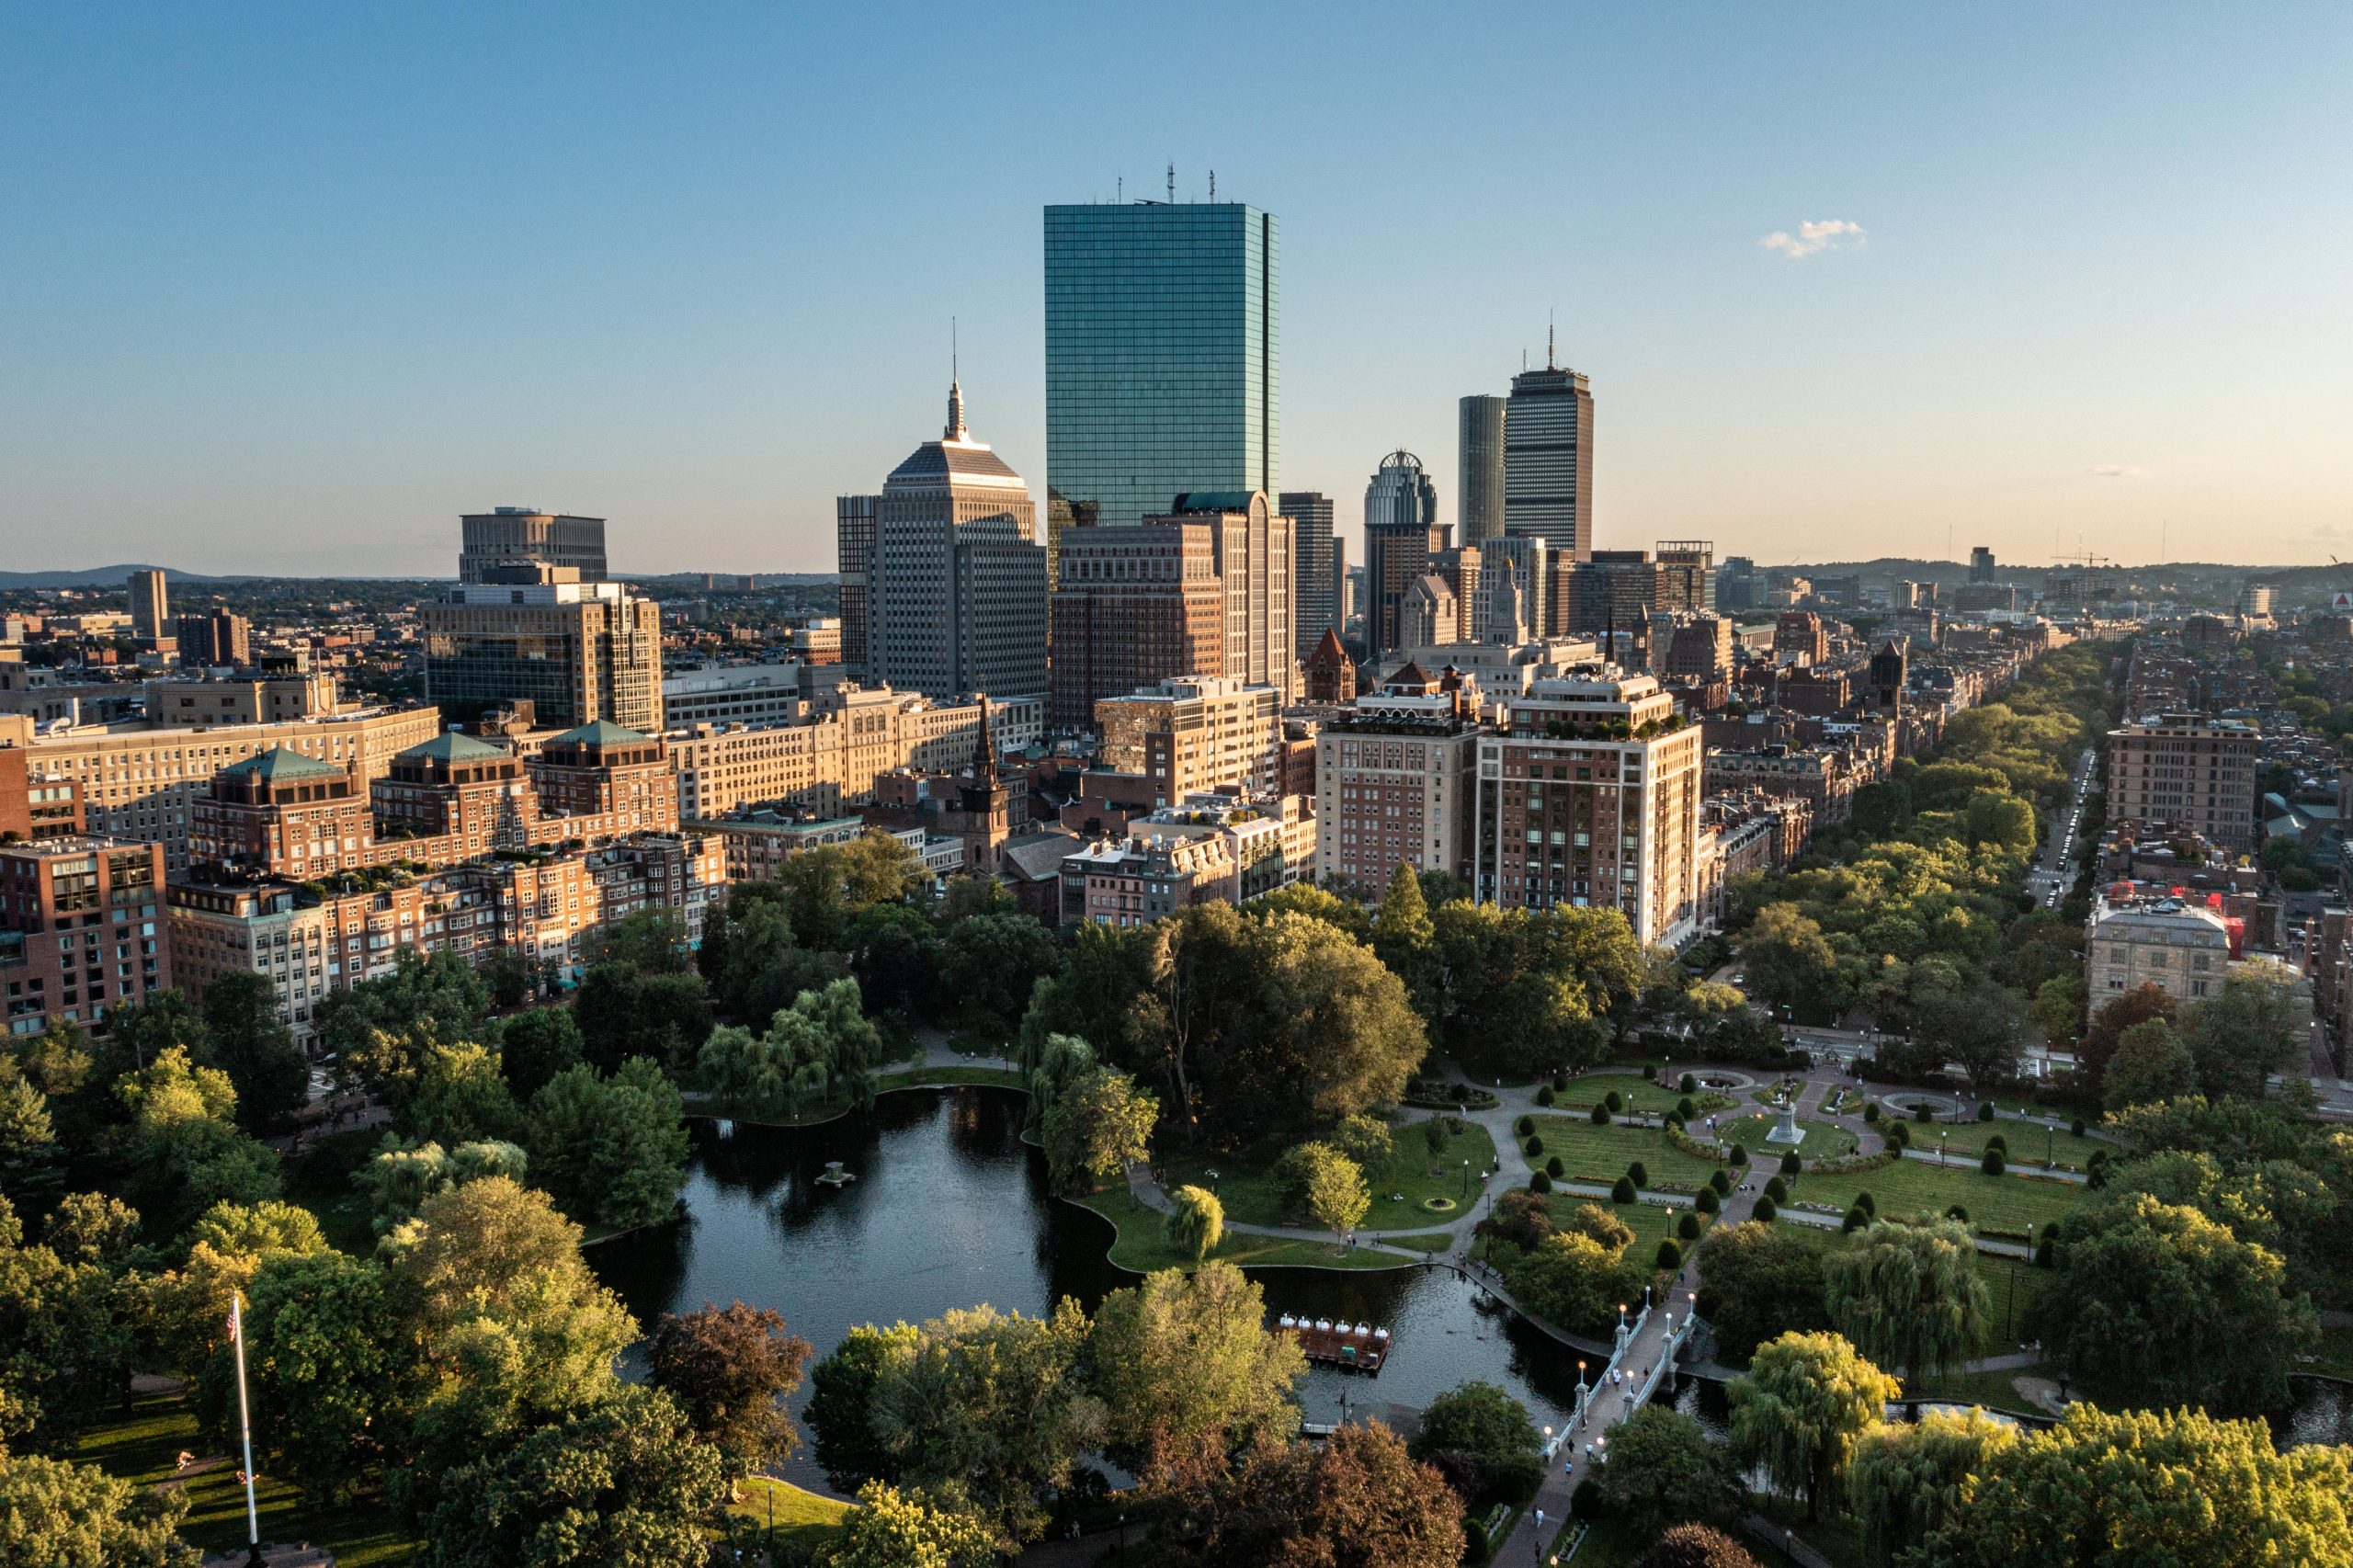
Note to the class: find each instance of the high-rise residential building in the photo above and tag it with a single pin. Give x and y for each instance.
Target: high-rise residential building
(1591, 800)
(854, 519)
(525, 533)
(957, 583)
(1136, 606)
(149, 607)
(81, 930)
(576, 650)
(1316, 565)
(1394, 782)
(1686, 575)
(1162, 356)
(1739, 586)
(1189, 736)
(1800, 636)
(1548, 458)
(1479, 514)
(222, 638)
(1253, 550)
(1610, 588)
(1402, 535)
(1980, 563)
(2186, 771)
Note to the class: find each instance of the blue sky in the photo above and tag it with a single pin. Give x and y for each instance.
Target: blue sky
(289, 286)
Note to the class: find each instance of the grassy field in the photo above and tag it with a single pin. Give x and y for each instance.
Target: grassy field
(803, 1520)
(925, 1077)
(2025, 1142)
(1823, 1140)
(143, 1449)
(1141, 1247)
(2335, 1356)
(1909, 1186)
(1585, 1092)
(1602, 1154)
(1422, 1241)
(1252, 1196)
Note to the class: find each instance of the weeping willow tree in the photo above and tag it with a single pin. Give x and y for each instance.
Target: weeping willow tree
(1909, 1296)
(1905, 1480)
(1800, 1408)
(821, 1049)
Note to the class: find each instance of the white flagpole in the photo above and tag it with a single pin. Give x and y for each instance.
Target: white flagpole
(246, 1426)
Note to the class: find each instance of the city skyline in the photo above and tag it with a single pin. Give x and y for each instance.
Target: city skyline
(270, 273)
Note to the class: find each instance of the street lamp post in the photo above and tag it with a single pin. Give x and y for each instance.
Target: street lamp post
(1466, 1181)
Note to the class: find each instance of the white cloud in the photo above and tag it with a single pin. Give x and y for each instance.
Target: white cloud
(1813, 235)
(2114, 470)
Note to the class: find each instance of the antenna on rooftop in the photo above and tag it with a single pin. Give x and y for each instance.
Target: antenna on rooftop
(1549, 363)
(1212, 185)
(1172, 185)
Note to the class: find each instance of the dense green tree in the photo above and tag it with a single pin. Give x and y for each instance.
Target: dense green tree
(2149, 1062)
(326, 1367)
(514, 977)
(184, 1149)
(2155, 1301)
(1758, 1281)
(730, 1369)
(841, 1406)
(890, 1529)
(462, 1096)
(1800, 1408)
(1998, 818)
(766, 966)
(32, 1167)
(2178, 1488)
(2105, 1031)
(245, 1039)
(623, 1012)
(1573, 1281)
(402, 1174)
(651, 941)
(535, 1046)
(831, 886)
(1404, 939)
(1364, 1139)
(1325, 1183)
(622, 1483)
(1664, 1469)
(1519, 1217)
(440, 993)
(1195, 1222)
(184, 1311)
(1320, 903)
(820, 1049)
(1357, 1501)
(1483, 1442)
(1182, 1357)
(1527, 992)
(1909, 1296)
(2252, 1027)
(2288, 1206)
(1905, 1480)
(991, 963)
(896, 954)
(612, 1151)
(1696, 1546)
(65, 1351)
(1095, 1129)
(147, 1029)
(55, 1513)
(90, 1227)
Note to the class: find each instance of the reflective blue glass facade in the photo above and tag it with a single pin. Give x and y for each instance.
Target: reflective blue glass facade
(1163, 348)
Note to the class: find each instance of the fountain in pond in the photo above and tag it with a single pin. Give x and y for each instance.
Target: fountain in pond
(835, 1176)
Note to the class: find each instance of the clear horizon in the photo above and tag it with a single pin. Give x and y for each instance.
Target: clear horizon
(291, 289)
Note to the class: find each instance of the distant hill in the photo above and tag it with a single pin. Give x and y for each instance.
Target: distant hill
(102, 577)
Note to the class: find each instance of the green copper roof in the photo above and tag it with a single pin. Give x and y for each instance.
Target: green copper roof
(281, 765)
(603, 733)
(453, 747)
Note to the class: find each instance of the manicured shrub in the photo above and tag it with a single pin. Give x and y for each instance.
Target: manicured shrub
(1722, 1182)
(1623, 1193)
(1957, 1212)
(1707, 1202)
(1899, 1137)
(1688, 1227)
(1534, 1146)
(1985, 1111)
(1870, 1111)
(1670, 1256)
(2045, 1253)
(1560, 1081)
(1601, 1115)
(1739, 1155)
(1540, 1182)
(1636, 1174)
(1866, 1203)
(1921, 1113)
(1767, 1210)
(1684, 1110)
(1776, 1189)
(1992, 1163)
(1688, 1085)
(1545, 1096)
(1998, 1142)
(1524, 1126)
(1855, 1219)
(1790, 1164)
(1615, 1101)
(1554, 1165)
(2077, 1127)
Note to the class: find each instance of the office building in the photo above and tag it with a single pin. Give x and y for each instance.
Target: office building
(1479, 516)
(1402, 537)
(1611, 589)
(744, 694)
(2186, 770)
(1592, 800)
(854, 522)
(1548, 458)
(1252, 545)
(829, 760)
(149, 607)
(218, 640)
(958, 578)
(1739, 586)
(1981, 564)
(1162, 356)
(1686, 575)
(1184, 737)
(578, 651)
(1316, 567)
(513, 534)
(81, 930)
(1515, 583)
(1800, 637)
(1136, 606)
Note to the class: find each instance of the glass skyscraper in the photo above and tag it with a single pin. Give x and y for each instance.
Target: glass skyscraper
(1163, 348)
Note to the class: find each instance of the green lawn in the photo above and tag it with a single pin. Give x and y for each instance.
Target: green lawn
(1247, 1189)
(2025, 1142)
(1823, 1141)
(1585, 1092)
(2333, 1358)
(1611, 1543)
(1422, 1241)
(803, 1520)
(1909, 1186)
(924, 1077)
(1602, 1154)
(1996, 1390)
(143, 1447)
(1141, 1246)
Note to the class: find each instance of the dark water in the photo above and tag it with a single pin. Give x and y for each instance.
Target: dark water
(950, 1209)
